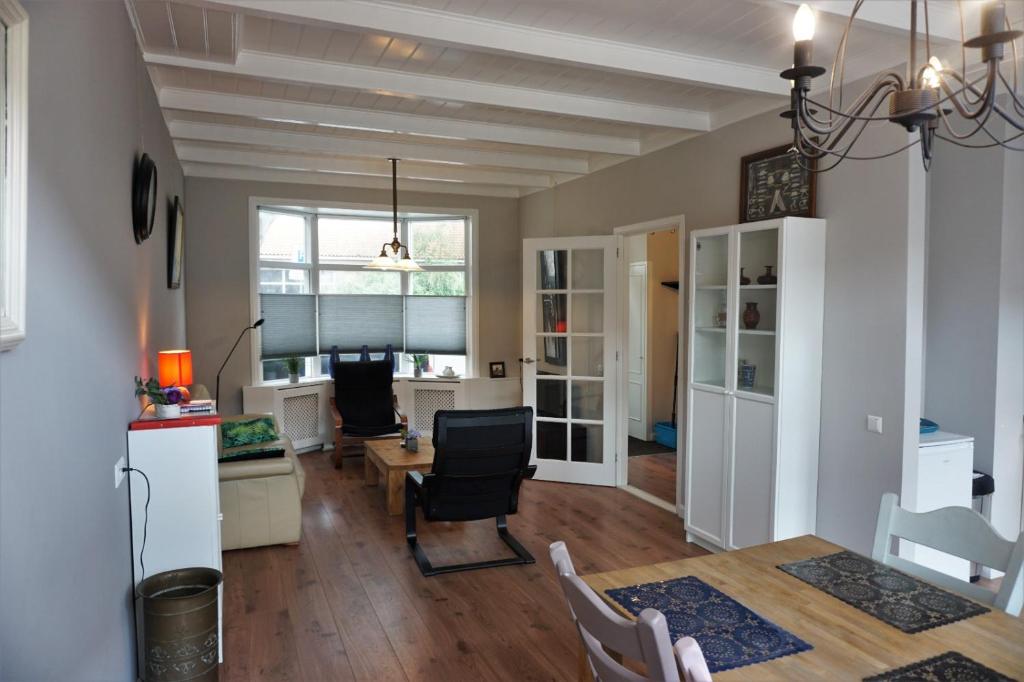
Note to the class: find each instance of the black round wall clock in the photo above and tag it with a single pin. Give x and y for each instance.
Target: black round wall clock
(143, 198)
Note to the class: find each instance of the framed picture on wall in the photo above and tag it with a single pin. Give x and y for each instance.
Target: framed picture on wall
(175, 244)
(774, 184)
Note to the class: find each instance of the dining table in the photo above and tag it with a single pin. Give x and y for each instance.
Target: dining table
(848, 644)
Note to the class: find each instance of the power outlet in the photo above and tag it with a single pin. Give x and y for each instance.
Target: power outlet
(119, 472)
(874, 424)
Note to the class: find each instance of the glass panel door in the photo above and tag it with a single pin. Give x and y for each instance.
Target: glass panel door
(756, 313)
(568, 299)
(710, 314)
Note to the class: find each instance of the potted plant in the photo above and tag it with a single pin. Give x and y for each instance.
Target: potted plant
(420, 362)
(411, 440)
(166, 401)
(293, 370)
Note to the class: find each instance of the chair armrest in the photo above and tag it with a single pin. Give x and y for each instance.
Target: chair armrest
(335, 414)
(530, 471)
(401, 417)
(414, 478)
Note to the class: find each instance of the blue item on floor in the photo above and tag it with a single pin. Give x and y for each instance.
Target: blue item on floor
(665, 434)
(729, 634)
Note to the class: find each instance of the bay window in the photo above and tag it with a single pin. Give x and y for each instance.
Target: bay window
(315, 295)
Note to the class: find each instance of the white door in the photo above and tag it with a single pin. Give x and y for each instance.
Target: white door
(636, 380)
(569, 358)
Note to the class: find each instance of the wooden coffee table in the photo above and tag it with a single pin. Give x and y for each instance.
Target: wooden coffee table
(389, 459)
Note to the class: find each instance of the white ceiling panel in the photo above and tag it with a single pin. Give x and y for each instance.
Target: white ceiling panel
(491, 96)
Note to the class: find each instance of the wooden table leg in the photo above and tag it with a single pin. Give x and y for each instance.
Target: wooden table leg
(396, 492)
(370, 472)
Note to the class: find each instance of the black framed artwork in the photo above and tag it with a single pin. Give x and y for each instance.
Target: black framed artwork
(143, 198)
(498, 370)
(774, 184)
(175, 244)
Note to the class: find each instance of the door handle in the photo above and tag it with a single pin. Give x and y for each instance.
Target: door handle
(528, 361)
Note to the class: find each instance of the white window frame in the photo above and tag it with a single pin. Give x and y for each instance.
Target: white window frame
(310, 210)
(13, 223)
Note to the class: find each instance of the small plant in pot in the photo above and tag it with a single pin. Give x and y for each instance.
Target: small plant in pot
(420, 363)
(166, 401)
(293, 370)
(411, 440)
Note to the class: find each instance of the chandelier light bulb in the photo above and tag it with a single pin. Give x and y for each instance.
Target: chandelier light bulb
(935, 64)
(930, 77)
(803, 24)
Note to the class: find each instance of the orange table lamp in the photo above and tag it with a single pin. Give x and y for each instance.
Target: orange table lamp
(174, 367)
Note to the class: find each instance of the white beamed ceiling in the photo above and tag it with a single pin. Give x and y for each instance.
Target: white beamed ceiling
(483, 97)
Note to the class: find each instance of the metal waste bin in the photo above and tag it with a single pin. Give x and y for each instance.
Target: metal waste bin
(982, 487)
(179, 624)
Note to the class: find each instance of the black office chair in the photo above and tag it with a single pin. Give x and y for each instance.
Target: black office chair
(480, 459)
(364, 406)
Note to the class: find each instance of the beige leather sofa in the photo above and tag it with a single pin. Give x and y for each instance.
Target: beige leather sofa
(261, 499)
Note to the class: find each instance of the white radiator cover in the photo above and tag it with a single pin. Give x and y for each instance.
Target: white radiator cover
(426, 402)
(304, 414)
(300, 418)
(302, 410)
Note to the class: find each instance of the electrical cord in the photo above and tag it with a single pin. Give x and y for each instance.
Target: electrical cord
(145, 522)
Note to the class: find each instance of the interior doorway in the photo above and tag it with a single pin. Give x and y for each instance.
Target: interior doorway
(651, 370)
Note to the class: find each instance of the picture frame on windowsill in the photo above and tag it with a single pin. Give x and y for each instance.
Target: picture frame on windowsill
(497, 369)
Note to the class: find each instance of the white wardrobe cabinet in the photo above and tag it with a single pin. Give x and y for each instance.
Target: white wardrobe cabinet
(754, 359)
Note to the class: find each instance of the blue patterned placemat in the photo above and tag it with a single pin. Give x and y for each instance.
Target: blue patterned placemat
(729, 634)
(951, 666)
(891, 596)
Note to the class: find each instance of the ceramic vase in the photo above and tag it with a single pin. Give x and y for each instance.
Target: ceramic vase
(293, 378)
(747, 374)
(767, 277)
(744, 280)
(751, 316)
(412, 444)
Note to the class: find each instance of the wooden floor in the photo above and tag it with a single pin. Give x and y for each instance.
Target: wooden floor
(654, 474)
(348, 603)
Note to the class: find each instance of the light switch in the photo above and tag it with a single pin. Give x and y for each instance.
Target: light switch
(874, 424)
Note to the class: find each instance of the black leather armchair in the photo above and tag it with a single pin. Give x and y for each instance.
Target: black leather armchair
(480, 460)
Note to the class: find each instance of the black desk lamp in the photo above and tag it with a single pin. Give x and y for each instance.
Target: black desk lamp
(216, 400)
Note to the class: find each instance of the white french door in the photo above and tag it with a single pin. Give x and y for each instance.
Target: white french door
(569, 343)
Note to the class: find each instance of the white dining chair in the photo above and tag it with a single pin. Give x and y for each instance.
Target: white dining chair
(961, 532)
(645, 640)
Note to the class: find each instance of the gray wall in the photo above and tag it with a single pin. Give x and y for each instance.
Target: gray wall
(217, 252)
(98, 309)
(875, 214)
(975, 360)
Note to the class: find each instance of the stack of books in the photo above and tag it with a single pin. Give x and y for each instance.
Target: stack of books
(197, 407)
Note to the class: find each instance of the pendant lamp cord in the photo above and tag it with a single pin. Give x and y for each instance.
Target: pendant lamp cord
(394, 196)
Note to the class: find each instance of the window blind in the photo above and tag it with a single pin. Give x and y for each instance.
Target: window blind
(435, 324)
(350, 322)
(411, 324)
(289, 327)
